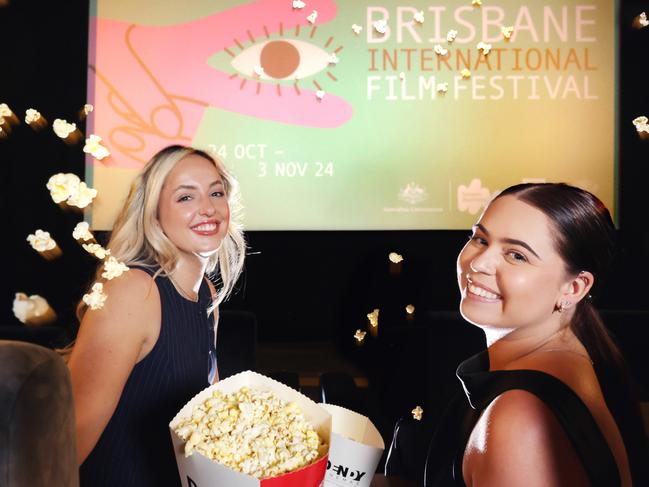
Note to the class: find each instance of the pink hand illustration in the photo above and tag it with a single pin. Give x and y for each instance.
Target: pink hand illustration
(153, 83)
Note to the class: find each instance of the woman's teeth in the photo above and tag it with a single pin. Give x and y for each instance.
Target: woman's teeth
(206, 227)
(482, 292)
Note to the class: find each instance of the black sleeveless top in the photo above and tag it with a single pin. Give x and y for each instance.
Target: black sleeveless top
(482, 386)
(135, 449)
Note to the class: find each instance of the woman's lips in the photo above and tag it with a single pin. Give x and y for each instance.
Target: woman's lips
(206, 229)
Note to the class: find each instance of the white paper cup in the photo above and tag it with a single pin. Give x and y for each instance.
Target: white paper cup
(355, 451)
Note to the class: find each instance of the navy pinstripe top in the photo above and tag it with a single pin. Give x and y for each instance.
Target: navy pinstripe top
(135, 449)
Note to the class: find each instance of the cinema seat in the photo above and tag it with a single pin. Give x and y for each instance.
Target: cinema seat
(37, 427)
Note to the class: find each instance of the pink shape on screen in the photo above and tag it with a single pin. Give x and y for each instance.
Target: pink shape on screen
(153, 83)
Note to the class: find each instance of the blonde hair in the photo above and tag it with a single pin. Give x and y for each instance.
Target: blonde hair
(137, 238)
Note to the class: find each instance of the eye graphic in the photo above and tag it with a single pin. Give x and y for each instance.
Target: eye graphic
(282, 60)
(286, 59)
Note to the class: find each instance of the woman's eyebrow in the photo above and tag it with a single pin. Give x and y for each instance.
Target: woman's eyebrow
(512, 241)
(192, 186)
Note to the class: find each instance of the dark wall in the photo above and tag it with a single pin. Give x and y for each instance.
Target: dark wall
(302, 285)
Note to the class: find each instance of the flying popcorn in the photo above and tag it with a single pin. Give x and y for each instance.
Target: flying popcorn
(82, 232)
(32, 116)
(440, 51)
(69, 189)
(44, 244)
(373, 318)
(642, 120)
(451, 35)
(7, 114)
(251, 431)
(465, 73)
(94, 148)
(62, 128)
(320, 94)
(32, 310)
(82, 197)
(641, 125)
(484, 47)
(442, 88)
(88, 108)
(62, 186)
(5, 111)
(298, 4)
(380, 26)
(312, 17)
(96, 298)
(417, 413)
(96, 250)
(419, 17)
(41, 241)
(113, 268)
(641, 21)
(395, 258)
(360, 335)
(410, 309)
(357, 28)
(507, 32)
(333, 59)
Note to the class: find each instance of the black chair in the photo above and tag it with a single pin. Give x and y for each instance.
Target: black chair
(37, 426)
(236, 342)
(286, 377)
(406, 457)
(339, 388)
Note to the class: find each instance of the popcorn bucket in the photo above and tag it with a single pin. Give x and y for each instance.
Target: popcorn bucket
(355, 451)
(197, 470)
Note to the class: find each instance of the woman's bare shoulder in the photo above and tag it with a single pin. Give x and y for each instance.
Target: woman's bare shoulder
(519, 441)
(133, 284)
(513, 417)
(131, 308)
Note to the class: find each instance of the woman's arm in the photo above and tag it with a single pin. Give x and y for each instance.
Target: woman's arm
(110, 342)
(518, 441)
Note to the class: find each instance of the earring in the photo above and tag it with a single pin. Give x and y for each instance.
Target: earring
(563, 306)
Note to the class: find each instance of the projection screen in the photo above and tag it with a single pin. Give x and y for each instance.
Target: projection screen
(357, 115)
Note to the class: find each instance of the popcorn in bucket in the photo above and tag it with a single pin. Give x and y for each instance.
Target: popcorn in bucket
(251, 431)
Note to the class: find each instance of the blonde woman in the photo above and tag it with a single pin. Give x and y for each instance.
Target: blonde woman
(151, 347)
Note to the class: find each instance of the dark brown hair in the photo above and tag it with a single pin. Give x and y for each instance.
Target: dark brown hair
(585, 238)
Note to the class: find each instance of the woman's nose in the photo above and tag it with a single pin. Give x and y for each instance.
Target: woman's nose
(207, 208)
(483, 263)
